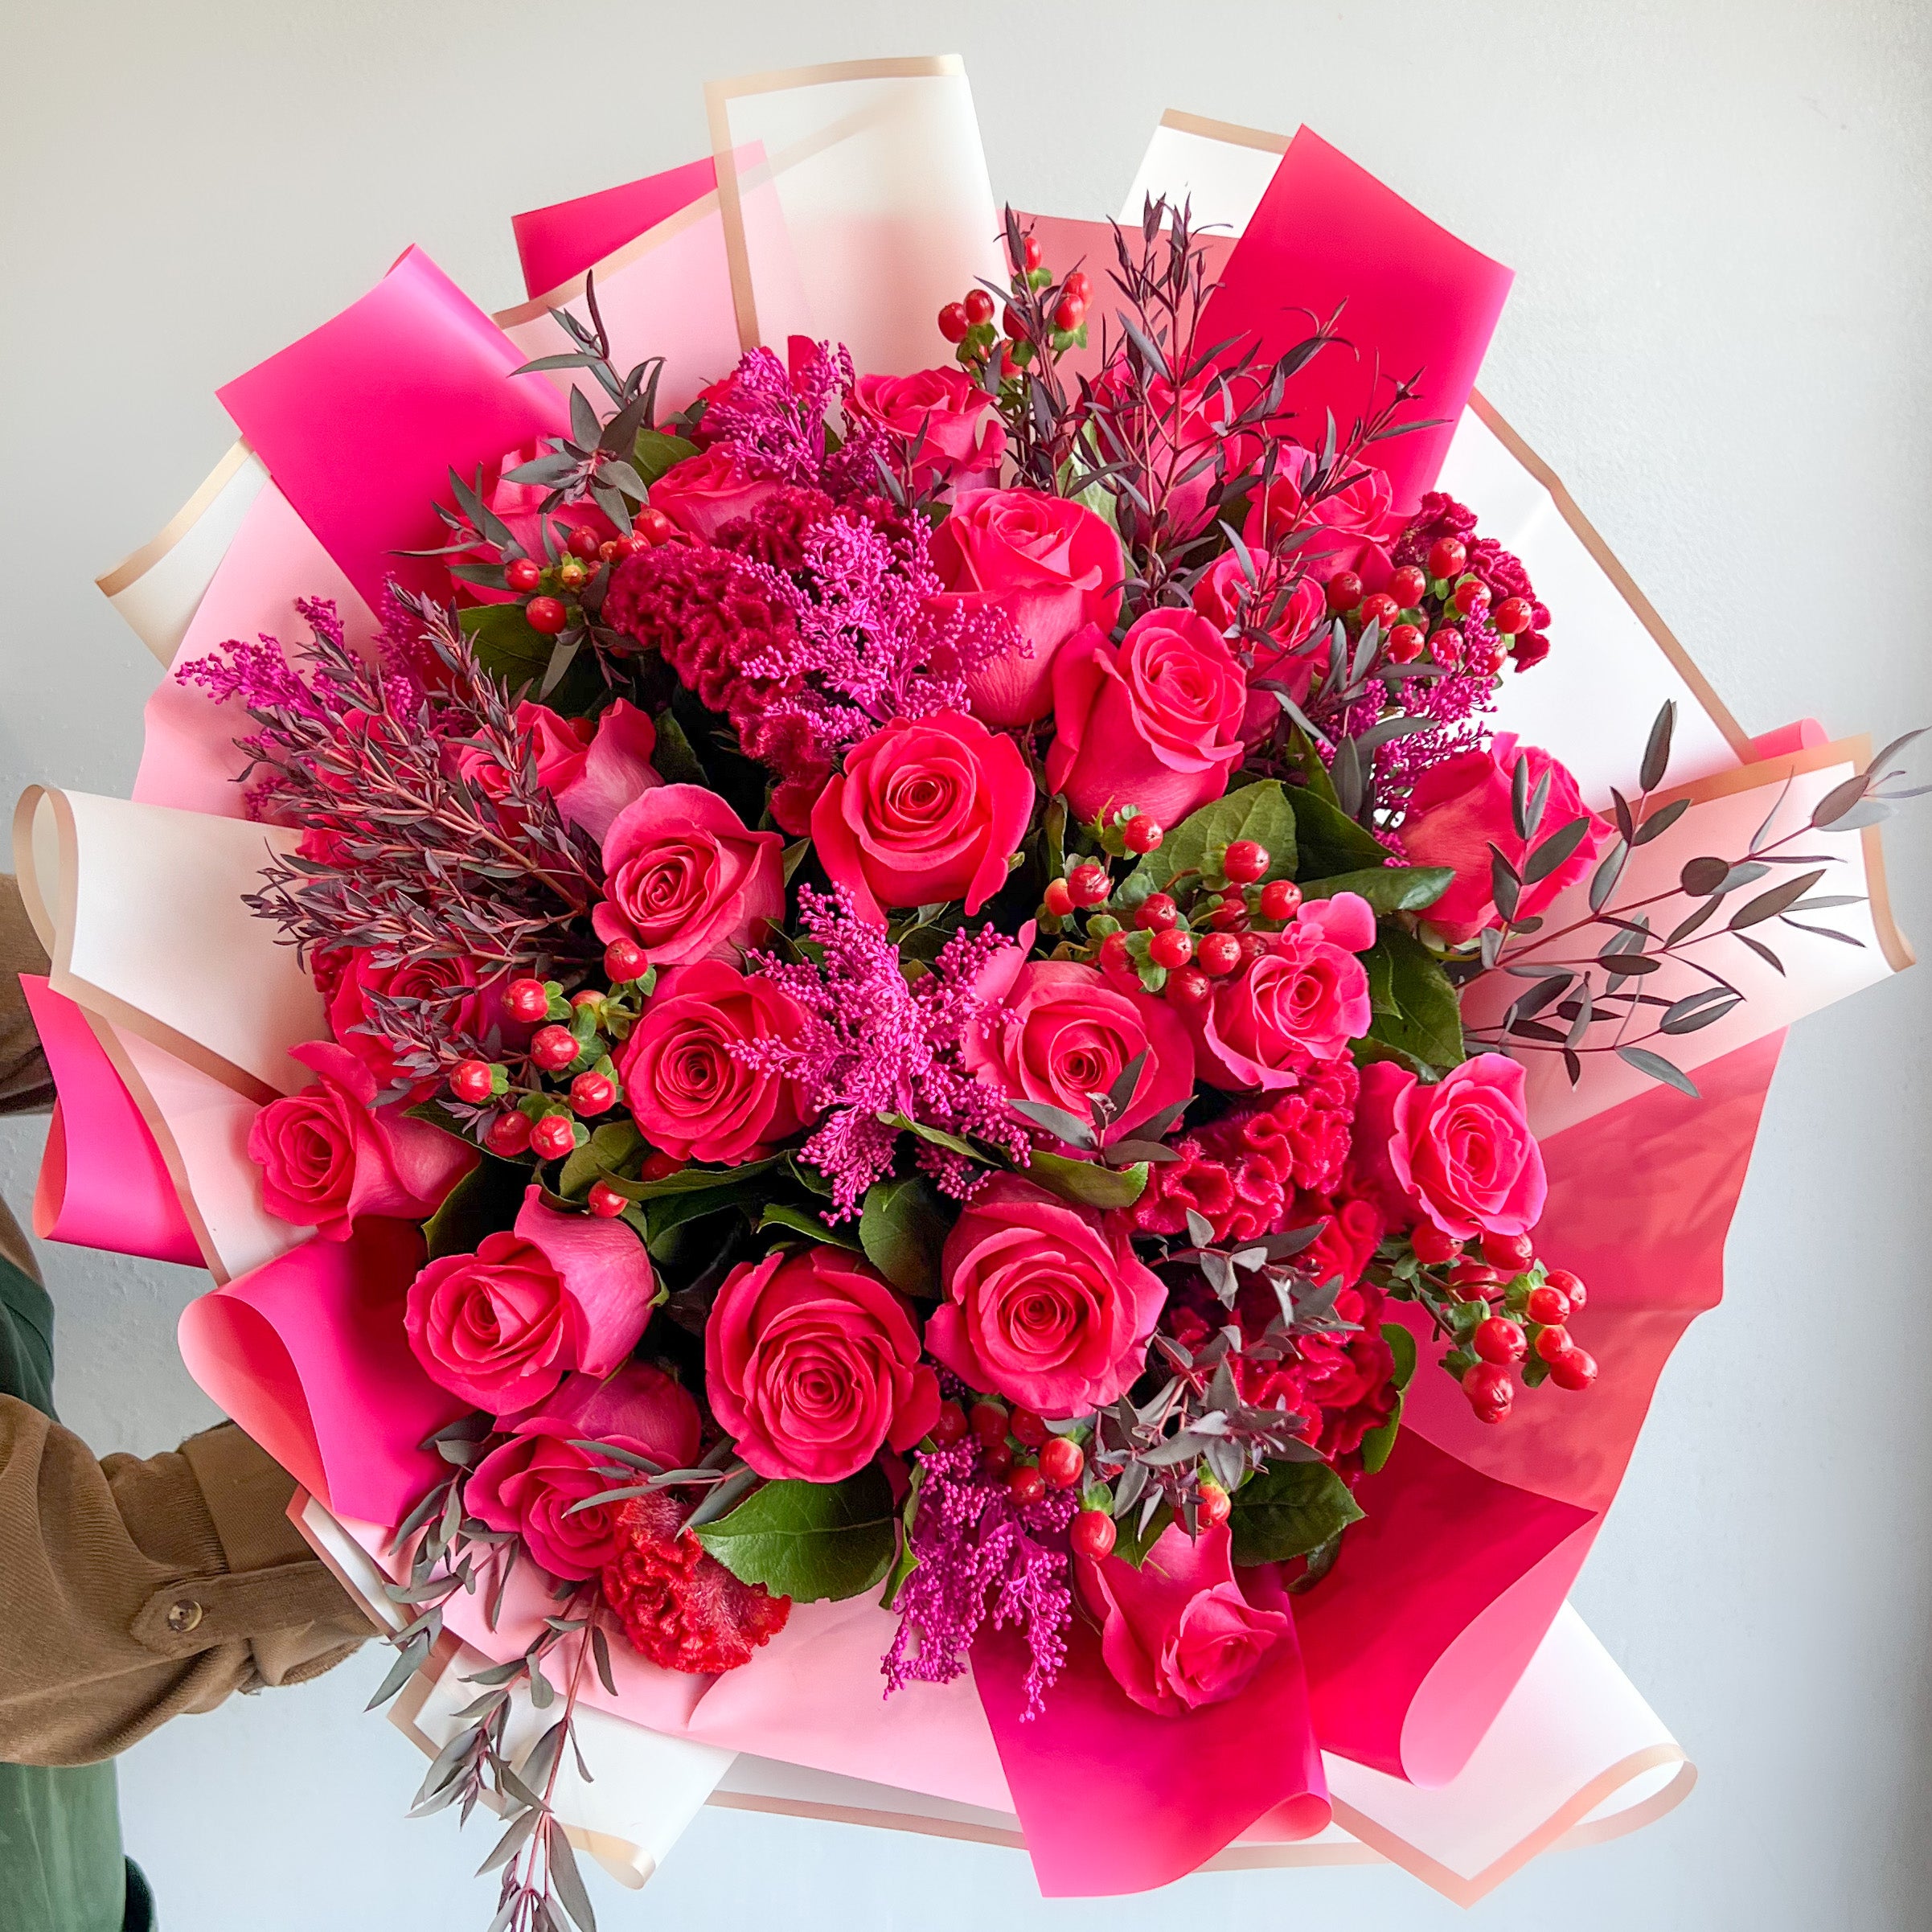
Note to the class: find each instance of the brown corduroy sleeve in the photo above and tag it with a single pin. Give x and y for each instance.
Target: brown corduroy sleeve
(26, 1086)
(132, 1590)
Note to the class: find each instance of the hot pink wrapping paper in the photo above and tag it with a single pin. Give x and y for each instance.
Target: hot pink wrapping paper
(557, 243)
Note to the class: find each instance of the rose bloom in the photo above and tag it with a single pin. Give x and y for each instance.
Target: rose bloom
(1052, 566)
(952, 419)
(529, 1483)
(1292, 605)
(705, 492)
(1460, 808)
(1307, 994)
(1054, 1030)
(1459, 1154)
(1179, 1632)
(328, 1156)
(692, 1097)
(503, 1327)
(1354, 526)
(926, 810)
(812, 1362)
(462, 1005)
(685, 880)
(1154, 721)
(1046, 1304)
(559, 745)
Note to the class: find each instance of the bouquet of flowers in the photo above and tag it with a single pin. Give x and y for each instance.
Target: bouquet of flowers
(898, 1050)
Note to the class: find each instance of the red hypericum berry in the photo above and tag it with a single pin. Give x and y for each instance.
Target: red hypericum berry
(996, 1458)
(1024, 1426)
(989, 1420)
(1216, 1502)
(1512, 615)
(652, 525)
(1487, 659)
(1471, 1281)
(1445, 646)
(1189, 988)
(1447, 557)
(1069, 315)
(659, 1166)
(1244, 861)
(586, 996)
(1029, 252)
(470, 1080)
(1552, 1342)
(1252, 947)
(604, 1201)
(1499, 1340)
(1344, 591)
(526, 1000)
(1489, 1386)
(593, 1093)
(953, 323)
(1093, 1533)
(1568, 1285)
(951, 1425)
(553, 1048)
(614, 550)
(625, 960)
(582, 542)
(1548, 1305)
(573, 571)
(1025, 1484)
(1062, 1461)
(1140, 834)
(1157, 913)
(1220, 953)
(1172, 948)
(1078, 286)
(1058, 898)
(1432, 1247)
(1513, 1252)
(1381, 608)
(1576, 1368)
(1225, 915)
(1115, 958)
(1089, 884)
(1492, 1413)
(553, 1136)
(1281, 899)
(523, 574)
(1471, 597)
(1407, 585)
(978, 306)
(1010, 325)
(546, 616)
(1404, 644)
(508, 1134)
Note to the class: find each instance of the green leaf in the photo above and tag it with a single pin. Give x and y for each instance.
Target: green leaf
(1388, 889)
(1260, 812)
(1130, 1542)
(902, 1230)
(606, 1151)
(686, 1180)
(485, 1201)
(802, 1220)
(938, 1138)
(1379, 1444)
(506, 646)
(1289, 1509)
(1416, 1014)
(1086, 1183)
(656, 451)
(677, 764)
(809, 1540)
(1330, 842)
(1300, 748)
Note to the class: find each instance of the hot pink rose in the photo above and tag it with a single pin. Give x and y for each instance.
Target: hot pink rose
(1308, 993)
(1353, 527)
(529, 1483)
(1153, 721)
(685, 880)
(1459, 1154)
(1054, 1030)
(1460, 808)
(705, 492)
(461, 1004)
(926, 810)
(691, 1096)
(329, 1157)
(503, 1327)
(948, 416)
(557, 743)
(1046, 1304)
(616, 770)
(1180, 1631)
(1052, 566)
(811, 1361)
(1290, 604)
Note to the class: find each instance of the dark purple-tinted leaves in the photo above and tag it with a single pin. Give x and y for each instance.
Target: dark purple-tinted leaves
(1779, 899)
(1658, 1068)
(1657, 753)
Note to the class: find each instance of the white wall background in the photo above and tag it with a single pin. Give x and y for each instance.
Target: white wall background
(1719, 215)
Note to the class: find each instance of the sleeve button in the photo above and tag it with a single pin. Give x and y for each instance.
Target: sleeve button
(184, 1616)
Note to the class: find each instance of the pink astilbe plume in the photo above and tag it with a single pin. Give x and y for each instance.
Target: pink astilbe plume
(774, 417)
(873, 1045)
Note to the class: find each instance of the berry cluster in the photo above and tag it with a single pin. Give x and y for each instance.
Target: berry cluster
(1443, 610)
(968, 324)
(549, 589)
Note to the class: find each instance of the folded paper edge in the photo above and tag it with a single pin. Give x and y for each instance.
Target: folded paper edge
(138, 563)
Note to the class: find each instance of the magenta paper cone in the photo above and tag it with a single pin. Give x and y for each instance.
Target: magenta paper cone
(557, 243)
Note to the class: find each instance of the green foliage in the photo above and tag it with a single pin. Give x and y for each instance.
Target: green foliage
(1388, 889)
(485, 1201)
(1379, 1444)
(657, 451)
(810, 1541)
(1260, 812)
(1330, 842)
(1131, 1542)
(803, 1220)
(604, 1153)
(1287, 1510)
(1416, 1019)
(902, 1230)
(1086, 1183)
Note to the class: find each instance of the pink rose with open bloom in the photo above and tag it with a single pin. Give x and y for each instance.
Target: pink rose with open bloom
(926, 810)
(1352, 528)
(1046, 1304)
(503, 1327)
(529, 1483)
(1180, 1631)
(1291, 605)
(1052, 566)
(1460, 808)
(1308, 993)
(459, 1003)
(704, 493)
(558, 744)
(1153, 721)
(1054, 1030)
(948, 415)
(1459, 1154)
(812, 1362)
(685, 880)
(692, 1095)
(329, 1157)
